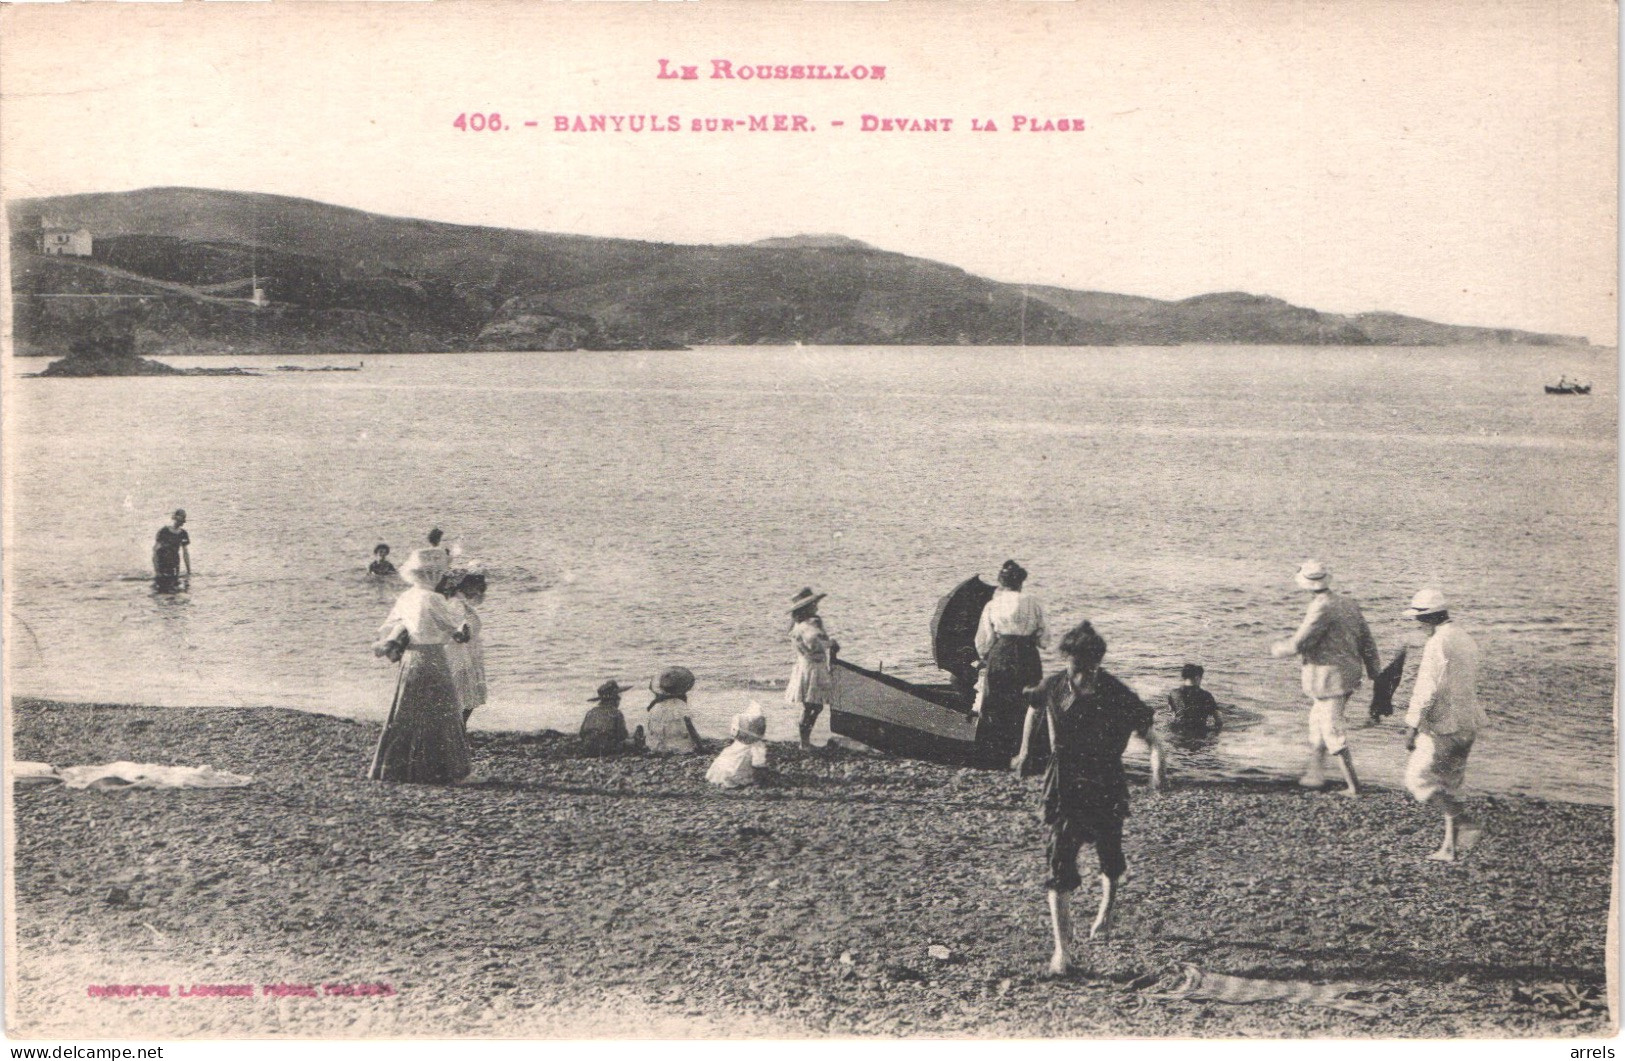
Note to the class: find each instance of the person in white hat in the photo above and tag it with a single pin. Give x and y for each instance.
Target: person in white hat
(1335, 645)
(424, 741)
(1443, 721)
(736, 765)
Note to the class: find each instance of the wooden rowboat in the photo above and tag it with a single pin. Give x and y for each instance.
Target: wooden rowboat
(932, 722)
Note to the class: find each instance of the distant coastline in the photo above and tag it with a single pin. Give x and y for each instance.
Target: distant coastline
(191, 271)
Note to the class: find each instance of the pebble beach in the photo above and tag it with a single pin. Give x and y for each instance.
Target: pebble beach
(854, 895)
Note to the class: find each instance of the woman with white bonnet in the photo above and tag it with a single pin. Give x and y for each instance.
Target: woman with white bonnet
(423, 740)
(812, 680)
(737, 765)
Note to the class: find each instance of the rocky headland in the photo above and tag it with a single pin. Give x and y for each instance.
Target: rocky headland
(220, 272)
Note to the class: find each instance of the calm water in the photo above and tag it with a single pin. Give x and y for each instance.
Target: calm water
(636, 510)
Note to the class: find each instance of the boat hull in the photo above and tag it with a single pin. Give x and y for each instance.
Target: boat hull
(929, 722)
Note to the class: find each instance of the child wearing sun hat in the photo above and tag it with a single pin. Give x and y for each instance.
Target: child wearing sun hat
(737, 765)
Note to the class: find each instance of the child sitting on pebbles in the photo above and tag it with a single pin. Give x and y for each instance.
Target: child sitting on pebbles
(667, 729)
(737, 765)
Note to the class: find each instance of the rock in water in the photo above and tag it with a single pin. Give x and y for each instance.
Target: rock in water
(107, 354)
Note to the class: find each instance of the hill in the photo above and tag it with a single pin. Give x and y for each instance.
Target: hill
(178, 267)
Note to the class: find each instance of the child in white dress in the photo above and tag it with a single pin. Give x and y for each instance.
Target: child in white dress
(737, 765)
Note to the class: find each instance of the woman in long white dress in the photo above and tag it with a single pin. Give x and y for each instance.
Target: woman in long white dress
(812, 680)
(423, 740)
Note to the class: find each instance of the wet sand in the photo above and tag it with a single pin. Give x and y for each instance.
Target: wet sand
(563, 895)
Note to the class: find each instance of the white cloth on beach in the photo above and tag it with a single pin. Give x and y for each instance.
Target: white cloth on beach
(1438, 765)
(1012, 613)
(27, 773)
(736, 766)
(1193, 982)
(1445, 697)
(147, 775)
(427, 617)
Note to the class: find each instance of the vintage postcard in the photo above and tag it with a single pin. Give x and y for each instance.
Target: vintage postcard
(795, 520)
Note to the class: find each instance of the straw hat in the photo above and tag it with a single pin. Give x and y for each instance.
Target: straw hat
(1313, 575)
(804, 598)
(610, 689)
(673, 681)
(1428, 601)
(425, 567)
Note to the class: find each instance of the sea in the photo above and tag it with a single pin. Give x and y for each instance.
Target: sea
(636, 510)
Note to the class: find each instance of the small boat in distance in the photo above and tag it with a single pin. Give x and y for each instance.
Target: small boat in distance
(322, 368)
(1566, 386)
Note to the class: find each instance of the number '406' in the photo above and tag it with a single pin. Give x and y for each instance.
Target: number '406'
(479, 123)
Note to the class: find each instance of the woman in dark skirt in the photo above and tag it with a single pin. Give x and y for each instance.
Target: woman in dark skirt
(423, 741)
(1008, 639)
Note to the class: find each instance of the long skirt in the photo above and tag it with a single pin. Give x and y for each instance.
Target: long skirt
(1013, 664)
(423, 742)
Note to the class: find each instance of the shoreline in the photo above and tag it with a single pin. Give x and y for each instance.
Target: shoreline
(562, 895)
(712, 709)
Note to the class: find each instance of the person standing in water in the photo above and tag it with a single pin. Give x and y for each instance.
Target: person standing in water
(1089, 717)
(436, 547)
(380, 566)
(812, 680)
(1443, 722)
(171, 550)
(1192, 707)
(1335, 645)
(1008, 637)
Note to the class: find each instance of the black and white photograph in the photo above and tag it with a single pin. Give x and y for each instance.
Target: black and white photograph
(875, 522)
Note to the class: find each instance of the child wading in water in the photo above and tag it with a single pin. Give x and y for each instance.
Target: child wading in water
(380, 566)
(1193, 706)
(1089, 716)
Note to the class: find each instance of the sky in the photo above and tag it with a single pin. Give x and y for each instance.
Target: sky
(1451, 160)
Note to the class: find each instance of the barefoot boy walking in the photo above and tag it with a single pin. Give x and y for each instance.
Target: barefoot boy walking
(1443, 721)
(1090, 716)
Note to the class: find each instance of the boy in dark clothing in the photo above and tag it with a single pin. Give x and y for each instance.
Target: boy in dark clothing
(1090, 716)
(380, 567)
(1191, 706)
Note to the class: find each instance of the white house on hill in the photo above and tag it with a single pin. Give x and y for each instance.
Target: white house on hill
(75, 243)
